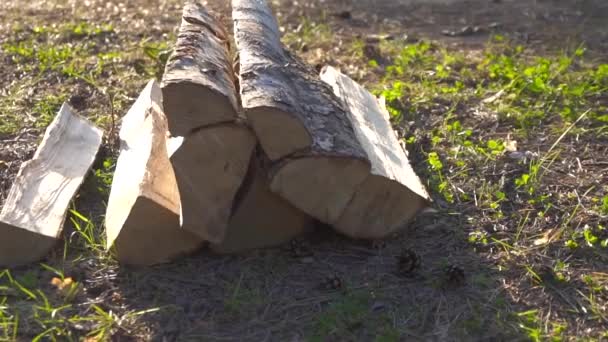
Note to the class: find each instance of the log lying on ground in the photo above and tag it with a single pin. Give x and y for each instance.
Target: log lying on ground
(34, 213)
(299, 122)
(210, 166)
(142, 218)
(261, 218)
(393, 193)
(198, 84)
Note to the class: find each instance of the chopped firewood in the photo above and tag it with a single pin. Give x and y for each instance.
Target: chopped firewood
(318, 162)
(33, 215)
(210, 166)
(393, 193)
(262, 218)
(142, 218)
(198, 84)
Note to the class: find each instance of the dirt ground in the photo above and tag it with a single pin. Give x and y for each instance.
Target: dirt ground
(278, 294)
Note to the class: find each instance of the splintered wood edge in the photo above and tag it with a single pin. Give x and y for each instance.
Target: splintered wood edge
(34, 212)
(131, 122)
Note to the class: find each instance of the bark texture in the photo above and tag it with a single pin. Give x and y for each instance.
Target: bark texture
(300, 123)
(290, 109)
(198, 84)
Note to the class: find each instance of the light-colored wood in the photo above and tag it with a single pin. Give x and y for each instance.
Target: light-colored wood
(393, 193)
(142, 217)
(198, 84)
(33, 215)
(298, 120)
(210, 166)
(261, 218)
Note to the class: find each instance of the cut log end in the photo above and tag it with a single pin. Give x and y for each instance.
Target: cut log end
(210, 166)
(379, 207)
(262, 218)
(393, 193)
(153, 236)
(280, 134)
(184, 103)
(320, 186)
(198, 83)
(20, 246)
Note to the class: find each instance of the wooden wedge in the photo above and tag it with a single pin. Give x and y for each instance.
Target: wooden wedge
(392, 194)
(33, 215)
(142, 217)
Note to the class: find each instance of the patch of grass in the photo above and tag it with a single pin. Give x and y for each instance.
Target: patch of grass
(309, 34)
(349, 314)
(496, 132)
(47, 108)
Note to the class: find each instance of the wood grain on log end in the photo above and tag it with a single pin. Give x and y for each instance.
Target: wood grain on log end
(210, 166)
(34, 212)
(198, 83)
(320, 186)
(393, 193)
(261, 218)
(142, 217)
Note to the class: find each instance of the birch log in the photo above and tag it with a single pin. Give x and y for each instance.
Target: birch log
(299, 122)
(198, 84)
(261, 218)
(392, 194)
(142, 218)
(33, 215)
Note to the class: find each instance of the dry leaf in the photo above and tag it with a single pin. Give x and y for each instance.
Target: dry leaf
(62, 284)
(510, 145)
(548, 237)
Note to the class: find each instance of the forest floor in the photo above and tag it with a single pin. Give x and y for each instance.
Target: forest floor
(502, 104)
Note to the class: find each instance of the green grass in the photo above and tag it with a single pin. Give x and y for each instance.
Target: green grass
(348, 315)
(560, 99)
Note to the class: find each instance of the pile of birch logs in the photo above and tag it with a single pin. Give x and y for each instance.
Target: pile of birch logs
(250, 154)
(236, 148)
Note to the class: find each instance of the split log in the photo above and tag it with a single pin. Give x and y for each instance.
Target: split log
(198, 84)
(393, 193)
(210, 165)
(34, 212)
(261, 218)
(142, 218)
(299, 122)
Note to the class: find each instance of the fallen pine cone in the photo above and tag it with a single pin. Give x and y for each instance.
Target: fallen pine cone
(455, 276)
(332, 283)
(408, 262)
